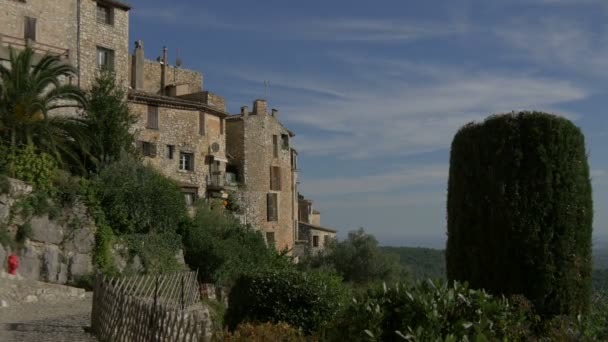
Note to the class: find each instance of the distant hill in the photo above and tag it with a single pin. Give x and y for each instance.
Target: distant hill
(421, 262)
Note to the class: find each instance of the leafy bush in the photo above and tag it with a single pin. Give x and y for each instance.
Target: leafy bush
(304, 300)
(265, 332)
(156, 250)
(5, 185)
(520, 210)
(23, 232)
(358, 260)
(429, 311)
(222, 249)
(102, 254)
(138, 199)
(32, 166)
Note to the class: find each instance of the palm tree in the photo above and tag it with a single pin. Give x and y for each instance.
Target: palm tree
(28, 93)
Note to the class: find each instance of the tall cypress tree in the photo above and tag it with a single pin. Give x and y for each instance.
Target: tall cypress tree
(520, 210)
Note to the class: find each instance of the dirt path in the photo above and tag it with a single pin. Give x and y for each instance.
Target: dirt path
(66, 320)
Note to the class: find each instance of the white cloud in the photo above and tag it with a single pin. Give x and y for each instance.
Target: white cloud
(407, 176)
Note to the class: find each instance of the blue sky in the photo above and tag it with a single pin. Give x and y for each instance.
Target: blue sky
(375, 90)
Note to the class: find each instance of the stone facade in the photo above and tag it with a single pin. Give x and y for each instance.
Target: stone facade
(69, 28)
(262, 157)
(312, 237)
(152, 77)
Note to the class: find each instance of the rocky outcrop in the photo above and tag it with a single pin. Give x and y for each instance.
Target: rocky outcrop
(57, 250)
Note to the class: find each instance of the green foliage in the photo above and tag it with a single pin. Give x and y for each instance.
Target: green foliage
(420, 263)
(156, 250)
(33, 166)
(222, 249)
(358, 260)
(102, 254)
(28, 94)
(429, 311)
(24, 232)
(520, 210)
(304, 300)
(137, 199)
(37, 203)
(5, 185)
(217, 311)
(86, 282)
(107, 121)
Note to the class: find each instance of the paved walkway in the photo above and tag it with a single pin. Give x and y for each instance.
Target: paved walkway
(65, 320)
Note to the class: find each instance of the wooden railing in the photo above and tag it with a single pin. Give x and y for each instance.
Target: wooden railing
(18, 43)
(148, 308)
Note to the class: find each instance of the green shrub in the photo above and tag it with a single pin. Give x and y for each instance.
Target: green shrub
(138, 199)
(429, 311)
(265, 332)
(102, 254)
(24, 232)
(304, 300)
(156, 250)
(520, 210)
(222, 249)
(32, 166)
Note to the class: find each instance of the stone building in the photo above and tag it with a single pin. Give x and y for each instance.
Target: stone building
(181, 128)
(89, 34)
(266, 167)
(312, 237)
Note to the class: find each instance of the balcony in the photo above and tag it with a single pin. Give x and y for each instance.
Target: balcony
(40, 48)
(222, 181)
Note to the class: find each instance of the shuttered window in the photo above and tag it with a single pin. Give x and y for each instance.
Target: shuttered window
(105, 14)
(270, 238)
(275, 178)
(29, 31)
(201, 123)
(152, 117)
(105, 58)
(275, 146)
(272, 207)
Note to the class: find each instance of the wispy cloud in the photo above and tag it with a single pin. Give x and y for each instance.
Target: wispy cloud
(407, 176)
(419, 111)
(558, 42)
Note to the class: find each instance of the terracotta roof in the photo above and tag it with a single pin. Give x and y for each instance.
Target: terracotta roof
(139, 96)
(315, 227)
(115, 3)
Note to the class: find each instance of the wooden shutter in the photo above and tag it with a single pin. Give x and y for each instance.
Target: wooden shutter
(30, 28)
(275, 178)
(153, 117)
(275, 146)
(201, 123)
(272, 209)
(152, 150)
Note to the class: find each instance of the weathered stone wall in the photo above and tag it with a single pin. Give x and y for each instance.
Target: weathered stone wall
(316, 218)
(250, 139)
(306, 236)
(152, 77)
(180, 128)
(57, 25)
(58, 250)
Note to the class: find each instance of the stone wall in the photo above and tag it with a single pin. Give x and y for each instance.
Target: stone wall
(180, 128)
(152, 77)
(250, 142)
(307, 234)
(58, 250)
(57, 26)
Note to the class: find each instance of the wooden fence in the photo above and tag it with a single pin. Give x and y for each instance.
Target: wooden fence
(154, 308)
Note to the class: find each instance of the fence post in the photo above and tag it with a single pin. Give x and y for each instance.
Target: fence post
(155, 310)
(182, 291)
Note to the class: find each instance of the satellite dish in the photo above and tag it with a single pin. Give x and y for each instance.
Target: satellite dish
(215, 147)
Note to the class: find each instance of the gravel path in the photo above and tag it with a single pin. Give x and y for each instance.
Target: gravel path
(67, 320)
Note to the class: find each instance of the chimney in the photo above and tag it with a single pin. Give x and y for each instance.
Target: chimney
(275, 113)
(259, 107)
(163, 71)
(137, 70)
(245, 111)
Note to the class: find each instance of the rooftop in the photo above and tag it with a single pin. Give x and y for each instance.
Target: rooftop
(315, 227)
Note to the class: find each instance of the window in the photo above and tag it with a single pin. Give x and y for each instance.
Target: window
(105, 14)
(186, 161)
(190, 198)
(294, 160)
(222, 126)
(275, 146)
(272, 207)
(275, 178)
(29, 30)
(152, 117)
(105, 58)
(148, 149)
(315, 241)
(285, 141)
(170, 150)
(270, 238)
(201, 123)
